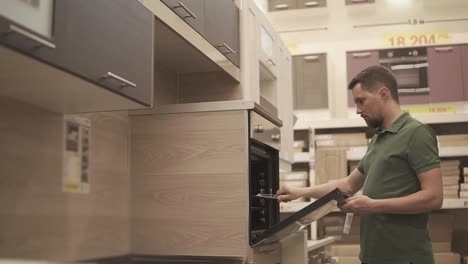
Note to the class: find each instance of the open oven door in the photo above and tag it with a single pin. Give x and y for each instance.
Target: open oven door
(299, 220)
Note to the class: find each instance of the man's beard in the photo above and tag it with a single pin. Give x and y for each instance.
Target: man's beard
(374, 122)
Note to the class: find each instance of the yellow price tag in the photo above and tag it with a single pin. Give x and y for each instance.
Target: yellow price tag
(437, 109)
(417, 38)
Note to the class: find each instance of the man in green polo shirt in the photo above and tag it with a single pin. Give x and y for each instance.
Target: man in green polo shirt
(400, 176)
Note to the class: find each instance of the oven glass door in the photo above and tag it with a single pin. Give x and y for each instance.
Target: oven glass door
(299, 220)
(264, 179)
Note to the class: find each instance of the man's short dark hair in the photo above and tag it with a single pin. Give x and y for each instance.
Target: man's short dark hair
(374, 77)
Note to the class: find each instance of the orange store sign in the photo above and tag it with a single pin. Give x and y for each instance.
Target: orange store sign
(417, 38)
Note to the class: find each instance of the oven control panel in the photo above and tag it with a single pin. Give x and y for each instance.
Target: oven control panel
(263, 130)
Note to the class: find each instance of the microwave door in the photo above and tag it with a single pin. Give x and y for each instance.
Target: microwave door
(299, 220)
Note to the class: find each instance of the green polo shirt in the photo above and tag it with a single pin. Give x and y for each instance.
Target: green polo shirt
(393, 160)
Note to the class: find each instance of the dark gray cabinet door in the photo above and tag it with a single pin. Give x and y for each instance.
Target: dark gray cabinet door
(464, 51)
(108, 42)
(222, 27)
(310, 82)
(355, 2)
(26, 41)
(445, 73)
(356, 62)
(278, 5)
(191, 11)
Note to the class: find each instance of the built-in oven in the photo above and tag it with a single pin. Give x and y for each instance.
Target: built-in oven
(265, 227)
(410, 67)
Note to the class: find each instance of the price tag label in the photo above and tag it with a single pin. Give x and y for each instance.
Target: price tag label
(417, 38)
(438, 109)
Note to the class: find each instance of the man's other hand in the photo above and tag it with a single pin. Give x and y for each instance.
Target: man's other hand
(358, 204)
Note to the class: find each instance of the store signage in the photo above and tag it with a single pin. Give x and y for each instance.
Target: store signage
(437, 109)
(417, 38)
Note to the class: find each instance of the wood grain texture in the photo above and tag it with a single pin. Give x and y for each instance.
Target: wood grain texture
(37, 219)
(190, 184)
(208, 87)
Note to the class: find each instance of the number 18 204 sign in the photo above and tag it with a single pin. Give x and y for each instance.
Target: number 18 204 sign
(417, 38)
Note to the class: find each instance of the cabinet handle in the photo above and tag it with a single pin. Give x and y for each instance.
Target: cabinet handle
(270, 60)
(311, 4)
(359, 1)
(123, 81)
(190, 13)
(444, 49)
(26, 34)
(311, 58)
(282, 6)
(361, 54)
(228, 49)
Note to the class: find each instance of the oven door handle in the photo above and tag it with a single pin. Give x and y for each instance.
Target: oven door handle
(410, 66)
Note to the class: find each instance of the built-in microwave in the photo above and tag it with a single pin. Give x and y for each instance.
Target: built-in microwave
(410, 67)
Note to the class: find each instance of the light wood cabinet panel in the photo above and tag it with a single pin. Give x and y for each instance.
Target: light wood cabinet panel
(40, 221)
(190, 184)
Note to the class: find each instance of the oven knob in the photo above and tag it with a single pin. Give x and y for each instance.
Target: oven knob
(259, 129)
(415, 53)
(262, 212)
(390, 54)
(263, 220)
(261, 183)
(276, 137)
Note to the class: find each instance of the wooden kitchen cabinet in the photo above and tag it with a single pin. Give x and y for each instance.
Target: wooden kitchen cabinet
(28, 32)
(278, 5)
(311, 3)
(107, 42)
(464, 51)
(191, 11)
(356, 62)
(445, 73)
(310, 81)
(356, 2)
(222, 28)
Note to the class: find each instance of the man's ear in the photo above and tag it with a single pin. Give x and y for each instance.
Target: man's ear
(384, 93)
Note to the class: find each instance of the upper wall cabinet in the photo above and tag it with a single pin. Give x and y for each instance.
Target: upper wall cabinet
(105, 44)
(108, 42)
(222, 27)
(356, 62)
(310, 81)
(278, 5)
(445, 73)
(464, 50)
(216, 20)
(356, 2)
(28, 27)
(191, 11)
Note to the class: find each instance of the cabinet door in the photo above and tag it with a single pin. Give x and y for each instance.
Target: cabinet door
(278, 5)
(108, 42)
(191, 11)
(222, 27)
(445, 73)
(464, 51)
(27, 27)
(355, 2)
(311, 3)
(310, 84)
(356, 62)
